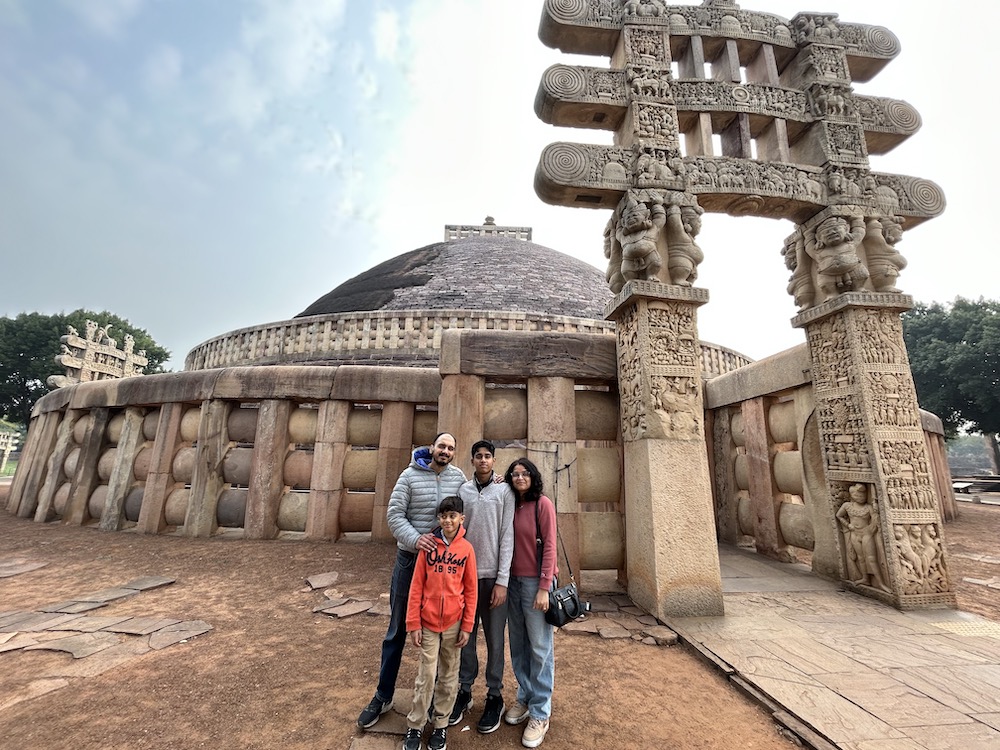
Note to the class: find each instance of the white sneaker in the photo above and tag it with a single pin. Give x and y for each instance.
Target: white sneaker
(534, 733)
(516, 713)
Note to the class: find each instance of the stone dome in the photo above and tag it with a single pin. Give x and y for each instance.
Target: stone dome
(474, 273)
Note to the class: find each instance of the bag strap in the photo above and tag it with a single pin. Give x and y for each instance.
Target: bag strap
(538, 535)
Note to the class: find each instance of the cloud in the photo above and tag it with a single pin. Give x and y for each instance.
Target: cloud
(163, 68)
(106, 17)
(385, 32)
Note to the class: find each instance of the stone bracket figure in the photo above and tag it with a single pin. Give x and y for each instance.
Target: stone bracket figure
(642, 217)
(683, 253)
(884, 262)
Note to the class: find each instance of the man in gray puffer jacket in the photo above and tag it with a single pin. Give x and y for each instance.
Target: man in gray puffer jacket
(411, 516)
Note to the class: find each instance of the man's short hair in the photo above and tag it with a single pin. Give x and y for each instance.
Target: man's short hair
(438, 437)
(450, 504)
(483, 444)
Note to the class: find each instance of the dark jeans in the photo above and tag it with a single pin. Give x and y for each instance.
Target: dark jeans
(395, 635)
(494, 621)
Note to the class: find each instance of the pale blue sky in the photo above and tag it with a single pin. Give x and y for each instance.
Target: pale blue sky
(197, 167)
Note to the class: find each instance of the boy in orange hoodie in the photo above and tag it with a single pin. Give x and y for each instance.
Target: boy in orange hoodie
(439, 619)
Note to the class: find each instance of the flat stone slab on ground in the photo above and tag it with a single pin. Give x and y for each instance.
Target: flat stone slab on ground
(148, 582)
(106, 595)
(330, 604)
(72, 607)
(612, 630)
(93, 623)
(182, 631)
(380, 608)
(603, 604)
(323, 580)
(346, 610)
(141, 625)
(125, 651)
(17, 642)
(10, 568)
(663, 636)
(12, 618)
(79, 645)
(588, 625)
(39, 621)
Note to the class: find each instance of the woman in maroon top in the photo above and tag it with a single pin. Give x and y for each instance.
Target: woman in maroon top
(532, 571)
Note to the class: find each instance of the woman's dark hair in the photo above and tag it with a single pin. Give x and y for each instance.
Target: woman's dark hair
(535, 490)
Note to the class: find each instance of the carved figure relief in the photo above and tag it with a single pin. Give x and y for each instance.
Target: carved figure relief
(649, 82)
(656, 121)
(646, 47)
(884, 262)
(800, 284)
(828, 62)
(642, 217)
(684, 255)
(859, 524)
(815, 27)
(921, 559)
(674, 400)
(645, 8)
(833, 246)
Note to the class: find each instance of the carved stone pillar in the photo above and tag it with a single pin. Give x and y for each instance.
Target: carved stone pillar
(875, 458)
(672, 560)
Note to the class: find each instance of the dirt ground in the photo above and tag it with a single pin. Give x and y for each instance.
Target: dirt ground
(274, 675)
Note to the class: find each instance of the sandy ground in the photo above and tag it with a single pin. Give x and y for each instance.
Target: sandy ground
(273, 674)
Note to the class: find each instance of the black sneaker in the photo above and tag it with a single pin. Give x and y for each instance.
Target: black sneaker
(492, 714)
(412, 741)
(439, 739)
(463, 702)
(372, 711)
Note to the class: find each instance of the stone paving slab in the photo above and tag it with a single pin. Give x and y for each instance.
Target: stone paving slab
(991, 720)
(141, 625)
(19, 641)
(79, 645)
(974, 736)
(147, 583)
(970, 689)
(181, 631)
(12, 618)
(9, 568)
(72, 607)
(891, 700)
(346, 610)
(125, 651)
(106, 595)
(37, 622)
(93, 623)
(323, 580)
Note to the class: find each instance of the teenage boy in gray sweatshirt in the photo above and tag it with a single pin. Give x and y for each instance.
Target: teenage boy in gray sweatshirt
(489, 527)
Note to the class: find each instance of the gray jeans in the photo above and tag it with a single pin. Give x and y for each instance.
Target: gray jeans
(494, 622)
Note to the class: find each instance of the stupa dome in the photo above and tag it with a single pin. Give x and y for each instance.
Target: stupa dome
(474, 273)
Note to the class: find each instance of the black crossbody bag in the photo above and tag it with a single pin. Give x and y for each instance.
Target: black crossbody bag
(565, 604)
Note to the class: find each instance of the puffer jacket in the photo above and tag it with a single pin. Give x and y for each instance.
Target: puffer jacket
(414, 500)
(444, 587)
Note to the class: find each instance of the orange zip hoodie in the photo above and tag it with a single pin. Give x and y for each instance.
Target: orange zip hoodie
(444, 587)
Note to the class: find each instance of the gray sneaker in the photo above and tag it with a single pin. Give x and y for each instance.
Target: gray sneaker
(516, 713)
(373, 711)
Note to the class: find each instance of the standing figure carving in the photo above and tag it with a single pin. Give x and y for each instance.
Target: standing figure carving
(638, 231)
(800, 285)
(882, 258)
(859, 522)
(684, 255)
(833, 246)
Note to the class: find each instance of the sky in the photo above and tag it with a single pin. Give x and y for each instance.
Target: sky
(198, 167)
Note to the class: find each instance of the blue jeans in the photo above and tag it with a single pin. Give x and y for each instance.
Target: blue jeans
(493, 621)
(395, 635)
(531, 647)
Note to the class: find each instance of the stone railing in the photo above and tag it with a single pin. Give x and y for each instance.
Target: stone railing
(405, 338)
(768, 481)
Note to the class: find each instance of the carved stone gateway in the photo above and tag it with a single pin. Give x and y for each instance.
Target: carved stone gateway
(719, 109)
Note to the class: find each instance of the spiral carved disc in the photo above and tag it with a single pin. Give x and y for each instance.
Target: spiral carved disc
(565, 82)
(903, 116)
(568, 10)
(926, 196)
(565, 162)
(882, 41)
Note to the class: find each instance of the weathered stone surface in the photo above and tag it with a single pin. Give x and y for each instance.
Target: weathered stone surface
(612, 630)
(71, 607)
(93, 623)
(125, 651)
(182, 631)
(323, 580)
(37, 622)
(148, 582)
(330, 604)
(662, 635)
(10, 568)
(380, 608)
(106, 595)
(603, 604)
(141, 625)
(346, 610)
(8, 619)
(17, 641)
(588, 625)
(80, 645)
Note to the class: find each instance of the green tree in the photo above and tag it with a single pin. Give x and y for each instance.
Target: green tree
(954, 353)
(30, 342)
